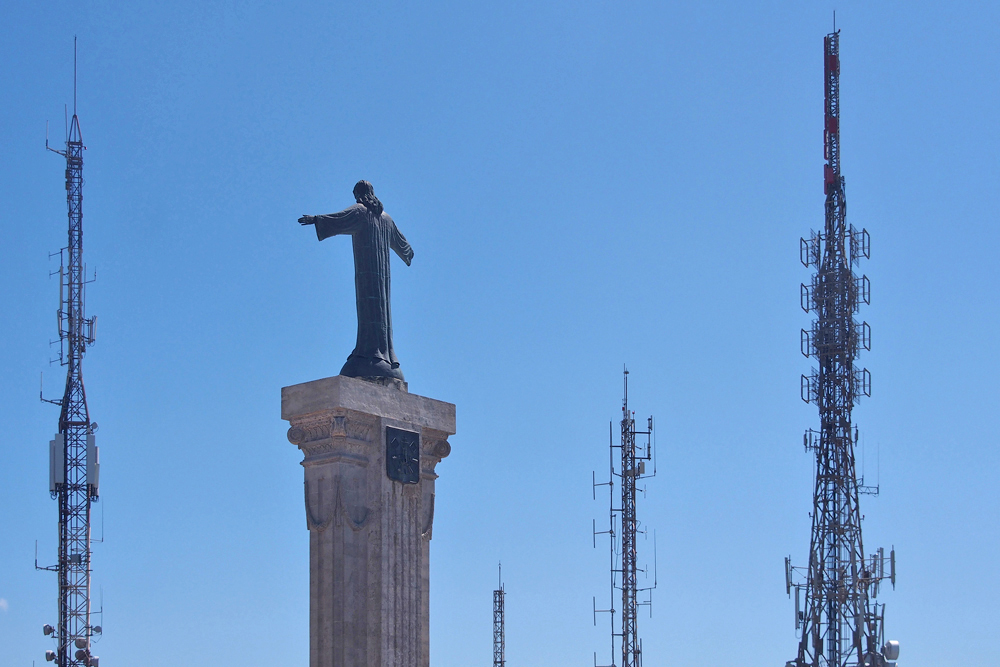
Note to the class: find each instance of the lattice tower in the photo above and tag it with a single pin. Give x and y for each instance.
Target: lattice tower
(499, 641)
(73, 467)
(841, 623)
(629, 524)
(624, 564)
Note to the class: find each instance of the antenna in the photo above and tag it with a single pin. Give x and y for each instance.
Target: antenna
(656, 571)
(632, 468)
(74, 75)
(840, 621)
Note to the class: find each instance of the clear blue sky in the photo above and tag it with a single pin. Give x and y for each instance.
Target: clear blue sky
(585, 185)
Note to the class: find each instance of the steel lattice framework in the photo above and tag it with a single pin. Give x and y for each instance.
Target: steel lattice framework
(630, 633)
(499, 647)
(73, 468)
(841, 624)
(624, 564)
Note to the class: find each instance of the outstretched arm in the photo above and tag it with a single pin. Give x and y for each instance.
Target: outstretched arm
(398, 243)
(347, 221)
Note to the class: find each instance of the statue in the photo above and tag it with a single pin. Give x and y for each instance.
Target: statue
(374, 234)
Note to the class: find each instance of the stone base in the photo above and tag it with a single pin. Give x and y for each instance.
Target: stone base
(369, 533)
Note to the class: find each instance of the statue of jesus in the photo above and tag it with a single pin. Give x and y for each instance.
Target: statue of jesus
(374, 234)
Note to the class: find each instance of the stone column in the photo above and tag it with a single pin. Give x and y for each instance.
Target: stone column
(370, 449)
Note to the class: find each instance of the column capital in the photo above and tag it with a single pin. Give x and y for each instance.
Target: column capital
(381, 399)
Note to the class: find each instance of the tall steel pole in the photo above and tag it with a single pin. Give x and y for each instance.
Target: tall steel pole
(74, 467)
(841, 624)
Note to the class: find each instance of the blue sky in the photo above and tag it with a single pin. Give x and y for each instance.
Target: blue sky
(585, 185)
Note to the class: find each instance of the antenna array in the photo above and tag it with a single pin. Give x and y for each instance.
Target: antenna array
(624, 564)
(841, 623)
(73, 456)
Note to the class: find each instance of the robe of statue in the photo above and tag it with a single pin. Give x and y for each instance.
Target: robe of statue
(373, 237)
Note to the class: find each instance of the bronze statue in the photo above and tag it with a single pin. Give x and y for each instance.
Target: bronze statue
(374, 234)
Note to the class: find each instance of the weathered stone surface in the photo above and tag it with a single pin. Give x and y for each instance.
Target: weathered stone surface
(369, 541)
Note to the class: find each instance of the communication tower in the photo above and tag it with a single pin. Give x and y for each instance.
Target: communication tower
(841, 623)
(624, 563)
(73, 457)
(499, 643)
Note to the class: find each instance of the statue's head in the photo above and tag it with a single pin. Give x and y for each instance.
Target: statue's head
(361, 189)
(364, 194)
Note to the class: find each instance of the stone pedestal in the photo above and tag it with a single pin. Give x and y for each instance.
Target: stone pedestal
(370, 449)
